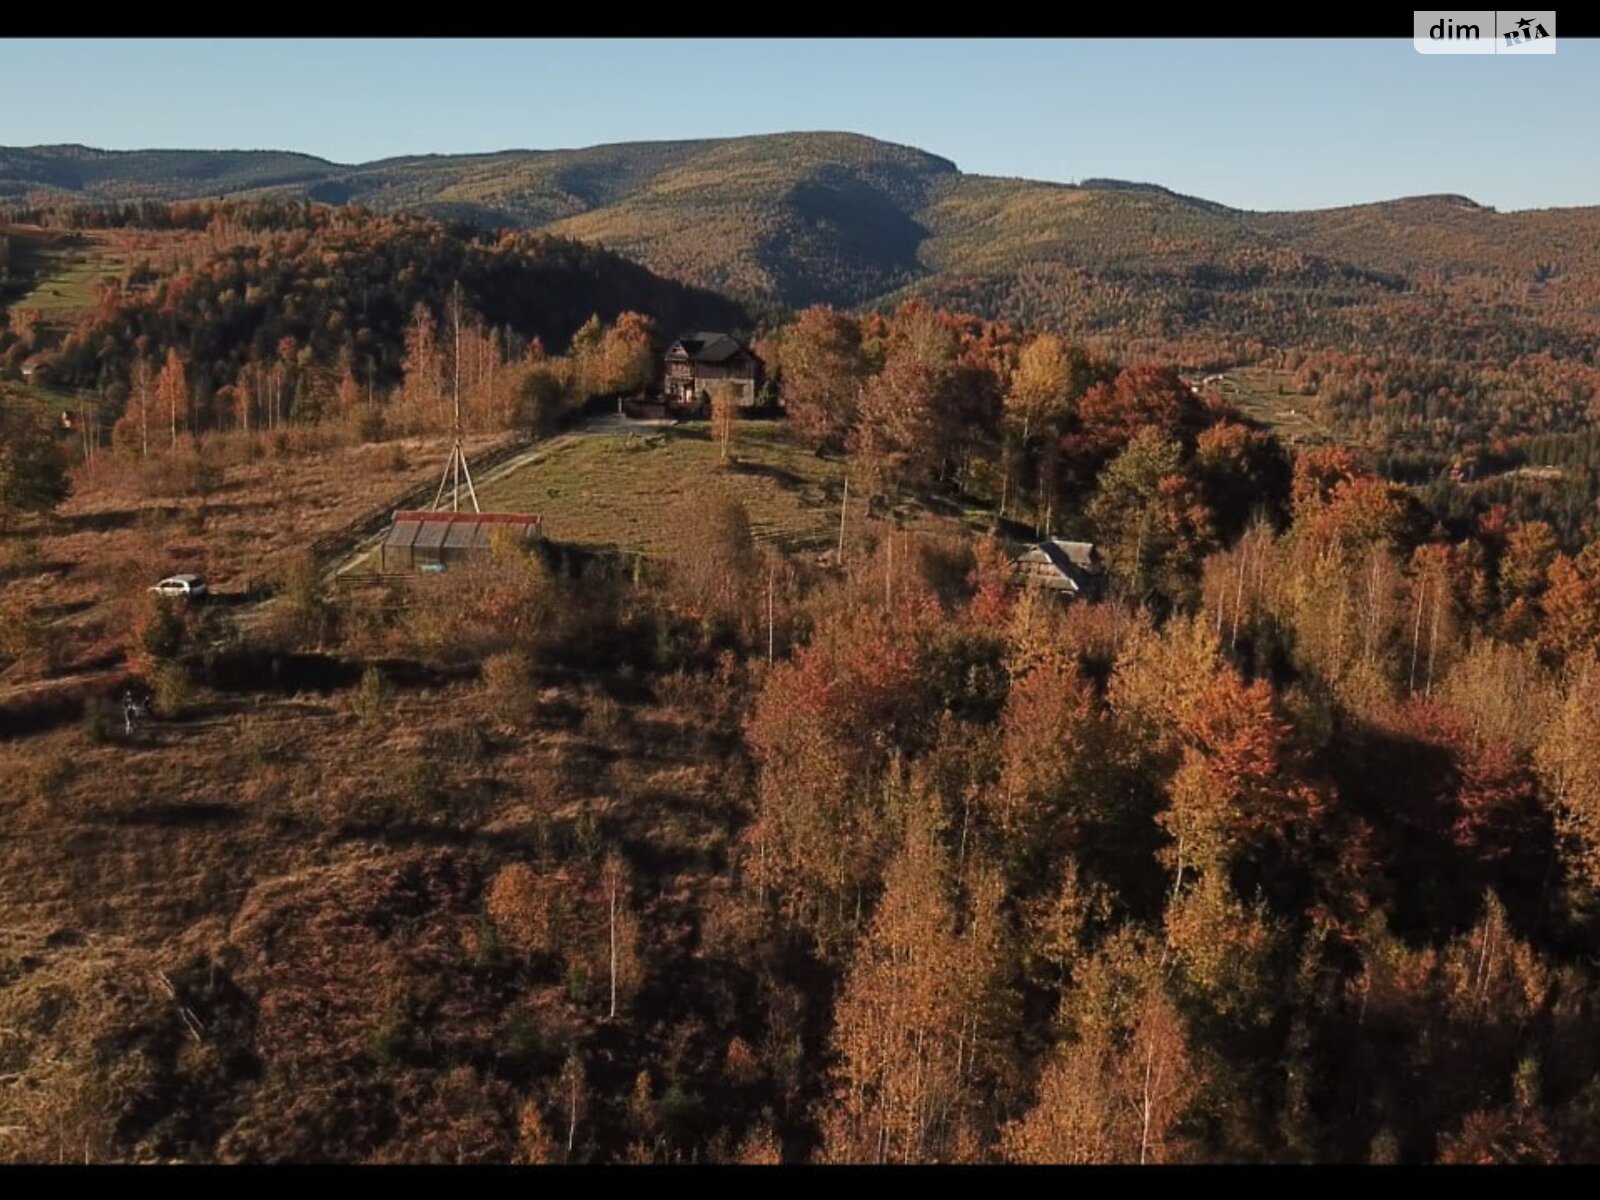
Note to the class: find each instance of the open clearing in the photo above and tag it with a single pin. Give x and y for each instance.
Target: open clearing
(613, 490)
(128, 524)
(617, 490)
(69, 286)
(1269, 395)
(67, 267)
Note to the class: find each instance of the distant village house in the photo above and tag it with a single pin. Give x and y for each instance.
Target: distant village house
(1071, 570)
(696, 361)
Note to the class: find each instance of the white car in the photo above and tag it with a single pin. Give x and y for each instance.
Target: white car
(190, 587)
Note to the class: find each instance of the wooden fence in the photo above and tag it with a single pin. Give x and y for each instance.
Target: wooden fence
(360, 579)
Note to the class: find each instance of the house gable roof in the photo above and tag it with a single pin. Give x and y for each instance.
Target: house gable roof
(1061, 565)
(708, 348)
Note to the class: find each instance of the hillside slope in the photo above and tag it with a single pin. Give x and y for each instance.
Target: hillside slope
(800, 218)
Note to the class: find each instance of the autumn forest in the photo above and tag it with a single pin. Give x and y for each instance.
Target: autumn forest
(767, 818)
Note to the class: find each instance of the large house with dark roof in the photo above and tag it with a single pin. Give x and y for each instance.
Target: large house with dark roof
(697, 360)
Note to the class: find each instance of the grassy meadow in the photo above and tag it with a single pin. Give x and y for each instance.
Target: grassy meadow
(619, 490)
(1269, 395)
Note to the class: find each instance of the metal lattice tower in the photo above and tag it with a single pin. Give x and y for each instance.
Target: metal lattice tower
(456, 465)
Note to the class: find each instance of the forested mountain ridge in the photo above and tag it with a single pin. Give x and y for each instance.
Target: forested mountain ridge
(350, 286)
(849, 220)
(83, 173)
(1442, 337)
(261, 312)
(793, 218)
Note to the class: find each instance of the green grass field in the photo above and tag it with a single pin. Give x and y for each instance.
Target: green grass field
(619, 490)
(66, 271)
(68, 285)
(622, 491)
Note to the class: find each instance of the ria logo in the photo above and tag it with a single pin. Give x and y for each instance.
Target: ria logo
(1526, 31)
(1484, 31)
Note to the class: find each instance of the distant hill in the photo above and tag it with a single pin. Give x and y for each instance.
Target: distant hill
(791, 218)
(799, 218)
(343, 283)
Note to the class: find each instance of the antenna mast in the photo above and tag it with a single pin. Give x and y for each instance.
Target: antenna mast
(456, 466)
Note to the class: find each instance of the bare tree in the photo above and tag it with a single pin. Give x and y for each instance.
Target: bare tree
(621, 933)
(574, 1088)
(724, 415)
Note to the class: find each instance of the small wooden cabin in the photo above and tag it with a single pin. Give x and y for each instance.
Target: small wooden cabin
(1072, 570)
(435, 541)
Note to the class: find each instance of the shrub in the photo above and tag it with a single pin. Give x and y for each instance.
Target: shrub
(33, 466)
(534, 1143)
(185, 471)
(306, 615)
(370, 701)
(390, 1037)
(170, 683)
(406, 790)
(413, 792)
(488, 950)
(436, 627)
(99, 721)
(521, 1043)
(528, 908)
(580, 982)
(602, 716)
(680, 1114)
(462, 742)
(716, 576)
(543, 398)
(368, 618)
(587, 834)
(508, 679)
(202, 473)
(740, 1064)
(161, 631)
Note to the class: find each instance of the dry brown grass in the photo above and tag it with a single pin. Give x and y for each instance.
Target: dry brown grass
(128, 524)
(337, 873)
(311, 876)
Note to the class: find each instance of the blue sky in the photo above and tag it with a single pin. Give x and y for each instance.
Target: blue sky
(1256, 124)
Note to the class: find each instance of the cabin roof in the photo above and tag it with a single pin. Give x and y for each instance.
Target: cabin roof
(1082, 555)
(1061, 565)
(455, 530)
